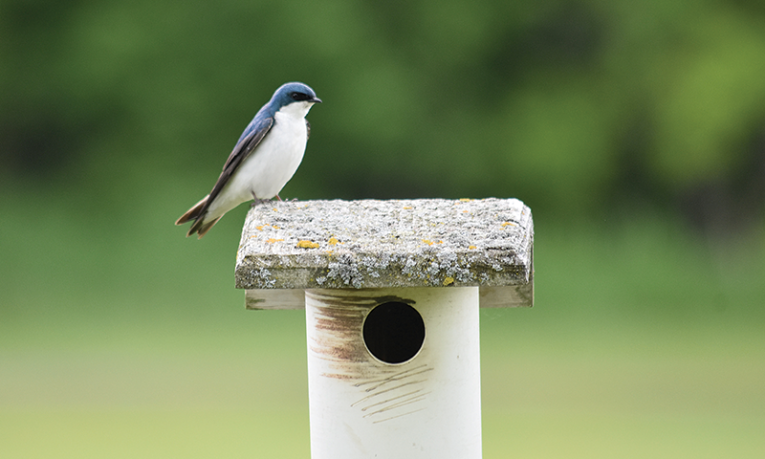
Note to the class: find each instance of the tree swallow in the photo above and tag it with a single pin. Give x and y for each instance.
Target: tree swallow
(264, 159)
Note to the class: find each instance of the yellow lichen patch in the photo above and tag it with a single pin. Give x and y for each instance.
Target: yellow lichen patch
(260, 228)
(465, 199)
(428, 241)
(272, 240)
(275, 227)
(508, 224)
(408, 207)
(307, 245)
(472, 247)
(333, 241)
(448, 280)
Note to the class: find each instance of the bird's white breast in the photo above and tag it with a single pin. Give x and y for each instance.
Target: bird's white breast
(273, 163)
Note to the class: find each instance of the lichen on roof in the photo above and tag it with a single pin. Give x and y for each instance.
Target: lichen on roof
(394, 243)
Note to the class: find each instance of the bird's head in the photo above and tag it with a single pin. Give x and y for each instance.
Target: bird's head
(297, 94)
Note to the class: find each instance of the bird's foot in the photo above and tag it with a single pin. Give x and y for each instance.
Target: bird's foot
(288, 200)
(257, 201)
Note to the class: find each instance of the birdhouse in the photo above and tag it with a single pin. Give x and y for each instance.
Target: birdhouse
(392, 291)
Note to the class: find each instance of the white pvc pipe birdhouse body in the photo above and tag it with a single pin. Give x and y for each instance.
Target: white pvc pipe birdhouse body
(417, 395)
(392, 291)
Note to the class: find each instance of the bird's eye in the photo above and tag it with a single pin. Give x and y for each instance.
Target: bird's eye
(299, 96)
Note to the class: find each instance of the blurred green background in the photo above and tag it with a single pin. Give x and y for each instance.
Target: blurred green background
(634, 130)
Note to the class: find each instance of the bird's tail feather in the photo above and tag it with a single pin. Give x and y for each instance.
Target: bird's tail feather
(200, 225)
(194, 213)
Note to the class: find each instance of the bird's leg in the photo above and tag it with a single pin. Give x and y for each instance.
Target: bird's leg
(257, 200)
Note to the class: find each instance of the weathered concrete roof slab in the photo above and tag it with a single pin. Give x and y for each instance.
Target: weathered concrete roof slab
(396, 243)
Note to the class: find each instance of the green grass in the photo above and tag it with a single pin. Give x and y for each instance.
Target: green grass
(630, 394)
(114, 343)
(131, 433)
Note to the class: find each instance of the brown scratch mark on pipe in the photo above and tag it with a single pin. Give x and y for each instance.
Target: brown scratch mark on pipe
(397, 416)
(378, 393)
(395, 377)
(415, 399)
(393, 392)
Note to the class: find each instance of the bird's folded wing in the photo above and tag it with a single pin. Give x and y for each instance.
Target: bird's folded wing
(241, 151)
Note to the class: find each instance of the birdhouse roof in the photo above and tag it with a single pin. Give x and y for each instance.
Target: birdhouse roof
(382, 244)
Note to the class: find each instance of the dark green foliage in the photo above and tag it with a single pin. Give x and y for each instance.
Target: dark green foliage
(576, 107)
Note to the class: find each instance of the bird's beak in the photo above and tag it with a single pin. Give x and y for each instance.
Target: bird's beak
(315, 100)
